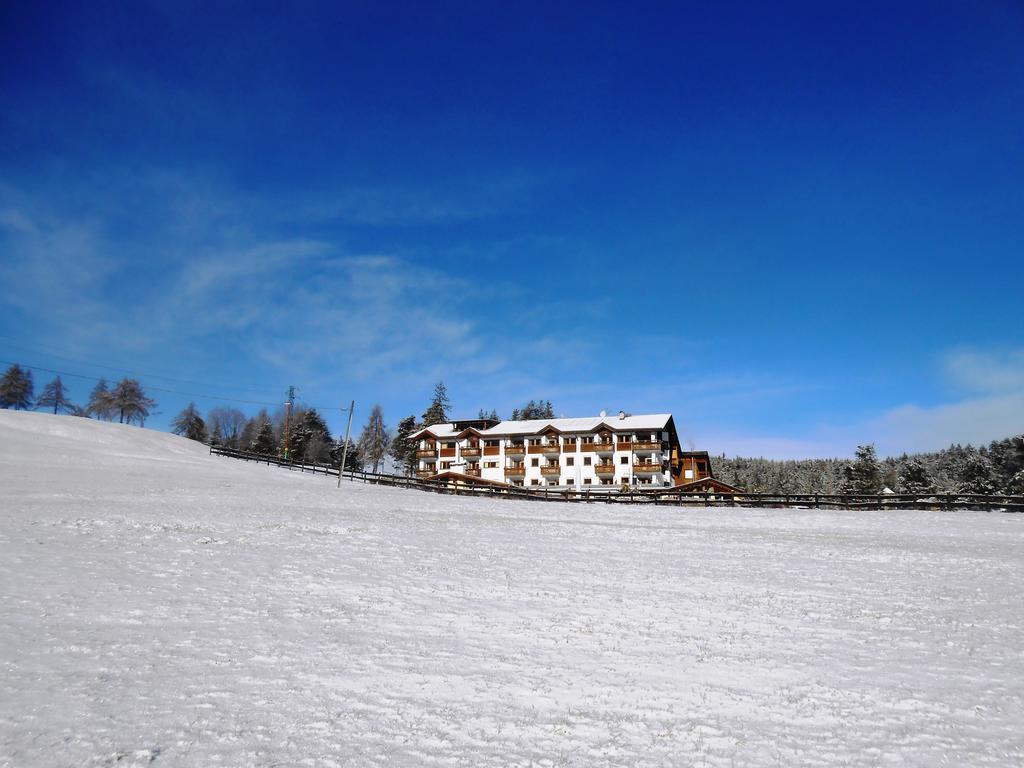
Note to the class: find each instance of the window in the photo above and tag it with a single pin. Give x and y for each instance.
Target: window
(587, 461)
(446, 465)
(492, 443)
(568, 481)
(490, 465)
(586, 481)
(570, 461)
(700, 466)
(534, 462)
(535, 481)
(449, 445)
(587, 440)
(624, 460)
(688, 473)
(607, 481)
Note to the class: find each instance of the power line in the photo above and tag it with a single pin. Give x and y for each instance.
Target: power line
(50, 353)
(160, 389)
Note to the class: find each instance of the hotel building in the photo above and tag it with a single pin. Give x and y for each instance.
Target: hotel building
(567, 453)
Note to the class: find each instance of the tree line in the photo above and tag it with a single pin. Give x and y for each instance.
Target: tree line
(992, 469)
(126, 400)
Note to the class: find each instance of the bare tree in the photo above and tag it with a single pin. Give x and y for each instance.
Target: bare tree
(374, 441)
(228, 423)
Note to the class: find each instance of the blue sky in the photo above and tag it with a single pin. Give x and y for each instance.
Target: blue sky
(795, 227)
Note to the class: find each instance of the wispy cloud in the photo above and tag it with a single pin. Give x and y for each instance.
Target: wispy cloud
(991, 407)
(986, 370)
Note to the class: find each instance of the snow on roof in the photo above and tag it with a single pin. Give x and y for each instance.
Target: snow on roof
(535, 426)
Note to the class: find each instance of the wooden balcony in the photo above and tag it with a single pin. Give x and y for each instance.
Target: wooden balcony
(551, 469)
(447, 453)
(471, 451)
(492, 450)
(598, 447)
(430, 454)
(623, 445)
(605, 469)
(471, 472)
(545, 448)
(646, 445)
(647, 468)
(515, 471)
(515, 450)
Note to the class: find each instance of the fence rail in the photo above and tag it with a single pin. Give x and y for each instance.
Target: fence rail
(660, 496)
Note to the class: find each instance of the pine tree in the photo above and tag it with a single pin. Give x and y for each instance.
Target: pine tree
(913, 476)
(130, 402)
(976, 475)
(190, 424)
(101, 402)
(403, 447)
(541, 409)
(437, 412)
(16, 388)
(314, 438)
(264, 443)
(56, 397)
(353, 461)
(251, 429)
(492, 416)
(374, 441)
(1016, 484)
(864, 474)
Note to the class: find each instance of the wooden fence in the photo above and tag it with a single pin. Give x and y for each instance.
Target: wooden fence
(660, 496)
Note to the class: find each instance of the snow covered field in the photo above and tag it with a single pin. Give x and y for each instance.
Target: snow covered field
(161, 605)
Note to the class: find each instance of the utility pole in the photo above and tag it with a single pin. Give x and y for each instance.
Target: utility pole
(288, 417)
(344, 450)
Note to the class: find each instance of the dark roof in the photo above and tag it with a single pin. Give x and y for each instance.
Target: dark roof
(451, 474)
(717, 486)
(461, 424)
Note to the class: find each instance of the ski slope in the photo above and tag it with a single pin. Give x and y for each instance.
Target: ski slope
(162, 606)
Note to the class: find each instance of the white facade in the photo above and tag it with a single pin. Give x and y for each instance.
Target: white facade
(563, 453)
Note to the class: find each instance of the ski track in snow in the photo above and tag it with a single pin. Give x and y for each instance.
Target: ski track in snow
(162, 606)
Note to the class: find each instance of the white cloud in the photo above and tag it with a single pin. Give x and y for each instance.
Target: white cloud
(993, 409)
(985, 370)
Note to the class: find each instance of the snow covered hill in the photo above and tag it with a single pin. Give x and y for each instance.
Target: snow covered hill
(161, 605)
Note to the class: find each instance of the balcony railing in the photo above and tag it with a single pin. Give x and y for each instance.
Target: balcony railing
(515, 471)
(600, 447)
(545, 448)
(492, 450)
(646, 445)
(551, 469)
(472, 472)
(517, 448)
(605, 469)
(646, 467)
(430, 454)
(447, 452)
(471, 451)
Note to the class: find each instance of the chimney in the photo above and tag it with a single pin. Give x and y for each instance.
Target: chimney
(622, 414)
(603, 414)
